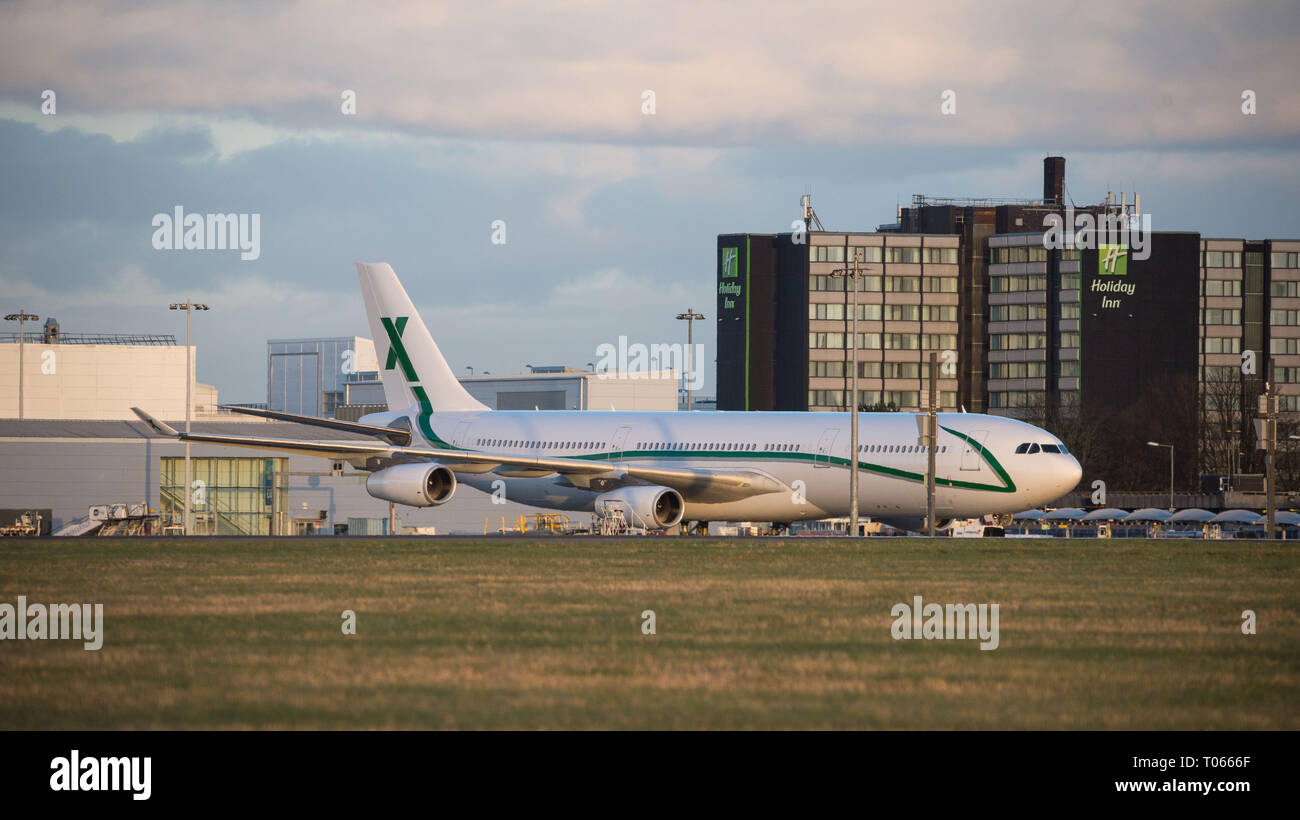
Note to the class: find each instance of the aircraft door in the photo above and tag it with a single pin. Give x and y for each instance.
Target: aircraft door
(824, 445)
(462, 434)
(970, 454)
(619, 441)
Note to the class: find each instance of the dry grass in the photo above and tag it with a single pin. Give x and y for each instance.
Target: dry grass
(751, 634)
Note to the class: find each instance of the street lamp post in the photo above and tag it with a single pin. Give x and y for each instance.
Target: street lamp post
(20, 317)
(1171, 470)
(689, 317)
(189, 306)
(851, 276)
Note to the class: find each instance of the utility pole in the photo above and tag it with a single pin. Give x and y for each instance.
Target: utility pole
(1171, 470)
(189, 306)
(931, 439)
(21, 317)
(851, 277)
(690, 316)
(1268, 411)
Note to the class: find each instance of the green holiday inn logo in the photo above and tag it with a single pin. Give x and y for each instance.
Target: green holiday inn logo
(1112, 260)
(730, 263)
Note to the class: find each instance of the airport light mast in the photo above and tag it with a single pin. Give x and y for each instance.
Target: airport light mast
(851, 277)
(189, 306)
(20, 317)
(690, 317)
(1171, 470)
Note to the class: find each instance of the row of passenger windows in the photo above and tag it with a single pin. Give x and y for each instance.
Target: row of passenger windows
(899, 448)
(641, 445)
(1030, 448)
(549, 445)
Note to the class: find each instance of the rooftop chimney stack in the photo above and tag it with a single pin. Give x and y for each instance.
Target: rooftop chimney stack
(1054, 180)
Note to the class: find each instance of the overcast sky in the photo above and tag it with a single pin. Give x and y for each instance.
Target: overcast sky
(532, 113)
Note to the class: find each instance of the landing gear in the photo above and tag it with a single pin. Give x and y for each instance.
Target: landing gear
(780, 527)
(699, 528)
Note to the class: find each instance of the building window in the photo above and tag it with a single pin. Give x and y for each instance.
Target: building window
(826, 341)
(821, 310)
(1285, 259)
(905, 256)
(1018, 370)
(902, 341)
(868, 253)
(1277, 346)
(941, 256)
(940, 313)
(1017, 341)
(1289, 290)
(1222, 287)
(825, 398)
(1070, 338)
(1222, 259)
(939, 341)
(1016, 313)
(1069, 310)
(940, 284)
(1224, 345)
(903, 313)
(1223, 316)
(1069, 281)
(903, 284)
(1286, 318)
(825, 370)
(826, 253)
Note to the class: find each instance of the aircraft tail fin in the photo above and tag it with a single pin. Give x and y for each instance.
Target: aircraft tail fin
(411, 366)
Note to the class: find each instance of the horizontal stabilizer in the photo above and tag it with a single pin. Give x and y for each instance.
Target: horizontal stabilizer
(392, 434)
(154, 424)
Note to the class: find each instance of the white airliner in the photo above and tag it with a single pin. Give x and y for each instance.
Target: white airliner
(661, 468)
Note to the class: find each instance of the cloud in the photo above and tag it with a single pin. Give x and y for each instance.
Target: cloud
(1111, 74)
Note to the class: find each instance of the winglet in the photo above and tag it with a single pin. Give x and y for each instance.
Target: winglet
(154, 424)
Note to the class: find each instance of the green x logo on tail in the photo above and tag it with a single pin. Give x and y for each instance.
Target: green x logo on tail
(396, 351)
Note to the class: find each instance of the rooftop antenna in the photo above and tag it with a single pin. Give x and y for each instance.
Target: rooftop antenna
(809, 215)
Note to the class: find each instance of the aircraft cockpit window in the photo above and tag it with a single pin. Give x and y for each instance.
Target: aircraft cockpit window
(1051, 448)
(1022, 449)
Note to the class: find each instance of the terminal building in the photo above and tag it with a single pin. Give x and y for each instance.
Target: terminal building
(95, 375)
(79, 447)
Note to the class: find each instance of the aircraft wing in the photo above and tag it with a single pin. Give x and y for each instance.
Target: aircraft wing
(695, 484)
(396, 435)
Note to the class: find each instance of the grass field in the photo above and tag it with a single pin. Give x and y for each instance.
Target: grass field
(770, 633)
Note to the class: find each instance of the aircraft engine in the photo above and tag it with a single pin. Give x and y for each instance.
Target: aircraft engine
(415, 485)
(649, 506)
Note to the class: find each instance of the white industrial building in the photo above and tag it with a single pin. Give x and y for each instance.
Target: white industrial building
(99, 380)
(79, 445)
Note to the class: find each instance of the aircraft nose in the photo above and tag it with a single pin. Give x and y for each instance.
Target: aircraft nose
(1071, 473)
